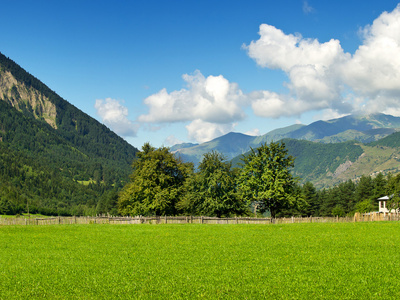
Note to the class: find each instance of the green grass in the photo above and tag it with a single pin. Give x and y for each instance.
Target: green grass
(293, 261)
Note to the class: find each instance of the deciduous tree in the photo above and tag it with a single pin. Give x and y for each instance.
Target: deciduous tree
(212, 190)
(266, 179)
(156, 184)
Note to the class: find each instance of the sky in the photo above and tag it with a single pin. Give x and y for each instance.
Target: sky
(168, 72)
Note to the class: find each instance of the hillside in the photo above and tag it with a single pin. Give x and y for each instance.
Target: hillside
(364, 129)
(364, 125)
(54, 157)
(326, 165)
(392, 141)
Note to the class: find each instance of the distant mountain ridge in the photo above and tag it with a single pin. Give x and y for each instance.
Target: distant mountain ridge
(364, 129)
(326, 165)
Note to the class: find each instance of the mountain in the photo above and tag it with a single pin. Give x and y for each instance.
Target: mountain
(326, 165)
(362, 124)
(54, 158)
(231, 145)
(182, 146)
(364, 129)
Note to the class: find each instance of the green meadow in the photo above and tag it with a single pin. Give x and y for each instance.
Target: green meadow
(191, 261)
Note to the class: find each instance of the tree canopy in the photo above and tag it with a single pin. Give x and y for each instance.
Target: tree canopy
(212, 191)
(265, 177)
(156, 184)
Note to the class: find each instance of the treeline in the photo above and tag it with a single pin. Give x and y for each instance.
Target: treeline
(31, 184)
(162, 184)
(348, 197)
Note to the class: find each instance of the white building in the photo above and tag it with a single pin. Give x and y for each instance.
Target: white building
(383, 201)
(382, 204)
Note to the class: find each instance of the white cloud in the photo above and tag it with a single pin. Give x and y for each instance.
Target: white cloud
(212, 104)
(172, 140)
(277, 50)
(267, 104)
(374, 70)
(253, 132)
(213, 99)
(311, 67)
(323, 77)
(204, 131)
(114, 115)
(328, 114)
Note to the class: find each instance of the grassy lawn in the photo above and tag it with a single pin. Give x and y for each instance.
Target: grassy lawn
(293, 261)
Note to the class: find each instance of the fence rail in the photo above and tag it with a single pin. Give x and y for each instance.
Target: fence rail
(370, 217)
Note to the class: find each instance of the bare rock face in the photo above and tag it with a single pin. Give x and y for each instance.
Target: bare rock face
(24, 98)
(342, 168)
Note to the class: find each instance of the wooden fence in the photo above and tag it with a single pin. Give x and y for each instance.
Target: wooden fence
(195, 220)
(130, 220)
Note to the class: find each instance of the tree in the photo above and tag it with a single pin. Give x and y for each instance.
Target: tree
(156, 184)
(311, 197)
(364, 189)
(265, 177)
(4, 206)
(393, 191)
(212, 190)
(380, 183)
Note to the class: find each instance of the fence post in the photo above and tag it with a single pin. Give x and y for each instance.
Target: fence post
(201, 220)
(165, 219)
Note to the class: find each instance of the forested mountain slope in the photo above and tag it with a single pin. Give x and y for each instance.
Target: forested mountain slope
(53, 156)
(364, 129)
(326, 165)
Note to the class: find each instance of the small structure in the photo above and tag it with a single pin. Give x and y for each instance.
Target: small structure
(383, 204)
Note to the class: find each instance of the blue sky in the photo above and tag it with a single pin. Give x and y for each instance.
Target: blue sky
(188, 71)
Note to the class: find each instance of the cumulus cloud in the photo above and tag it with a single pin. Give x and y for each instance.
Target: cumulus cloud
(322, 76)
(253, 132)
(311, 67)
(374, 70)
(172, 140)
(202, 131)
(210, 101)
(213, 99)
(114, 115)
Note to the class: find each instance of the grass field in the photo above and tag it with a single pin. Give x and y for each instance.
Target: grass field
(293, 261)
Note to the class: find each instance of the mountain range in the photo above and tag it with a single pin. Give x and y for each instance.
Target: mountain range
(55, 159)
(326, 152)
